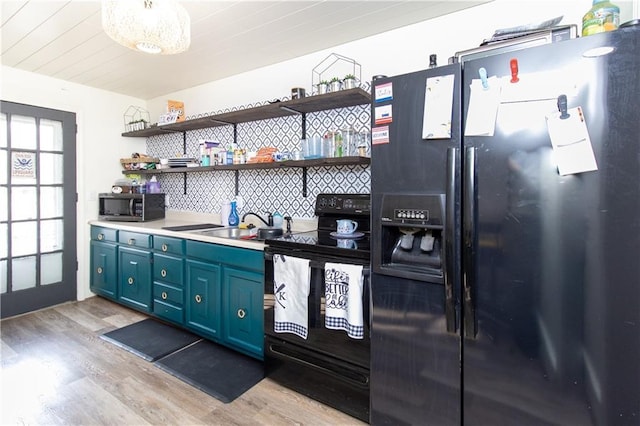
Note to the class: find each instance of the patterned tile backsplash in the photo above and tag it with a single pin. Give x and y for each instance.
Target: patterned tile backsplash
(263, 189)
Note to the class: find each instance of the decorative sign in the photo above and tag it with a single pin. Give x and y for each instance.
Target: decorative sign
(384, 92)
(168, 118)
(380, 135)
(23, 164)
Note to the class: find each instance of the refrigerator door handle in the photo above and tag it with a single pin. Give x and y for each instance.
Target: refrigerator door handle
(469, 232)
(453, 155)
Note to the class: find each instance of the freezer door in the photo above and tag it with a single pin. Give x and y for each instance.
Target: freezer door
(552, 318)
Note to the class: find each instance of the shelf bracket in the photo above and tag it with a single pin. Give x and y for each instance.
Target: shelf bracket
(304, 182)
(304, 126)
(184, 183)
(184, 144)
(237, 179)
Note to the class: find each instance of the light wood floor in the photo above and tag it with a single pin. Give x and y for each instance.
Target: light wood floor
(57, 370)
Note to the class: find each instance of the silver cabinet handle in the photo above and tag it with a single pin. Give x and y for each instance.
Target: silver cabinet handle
(131, 241)
(164, 295)
(198, 298)
(163, 273)
(99, 270)
(165, 247)
(130, 280)
(100, 237)
(241, 313)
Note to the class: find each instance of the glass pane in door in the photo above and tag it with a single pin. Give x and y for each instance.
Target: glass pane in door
(3, 172)
(3, 276)
(4, 207)
(23, 132)
(4, 243)
(51, 268)
(51, 235)
(24, 238)
(50, 135)
(53, 206)
(50, 168)
(24, 273)
(24, 202)
(3, 131)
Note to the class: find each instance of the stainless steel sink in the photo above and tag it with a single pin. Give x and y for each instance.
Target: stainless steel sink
(233, 233)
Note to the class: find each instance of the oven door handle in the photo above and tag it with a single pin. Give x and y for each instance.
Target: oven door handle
(317, 264)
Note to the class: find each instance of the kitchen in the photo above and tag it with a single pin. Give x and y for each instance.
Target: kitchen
(105, 148)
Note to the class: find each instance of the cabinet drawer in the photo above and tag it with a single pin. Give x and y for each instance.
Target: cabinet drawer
(169, 312)
(104, 234)
(167, 294)
(168, 269)
(235, 256)
(134, 239)
(168, 244)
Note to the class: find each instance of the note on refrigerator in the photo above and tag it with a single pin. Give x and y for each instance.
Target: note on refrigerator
(572, 147)
(483, 107)
(438, 107)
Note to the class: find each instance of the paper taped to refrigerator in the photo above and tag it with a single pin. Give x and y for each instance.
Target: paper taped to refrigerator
(483, 107)
(438, 107)
(571, 143)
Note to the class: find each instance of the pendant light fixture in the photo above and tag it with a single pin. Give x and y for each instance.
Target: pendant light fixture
(151, 26)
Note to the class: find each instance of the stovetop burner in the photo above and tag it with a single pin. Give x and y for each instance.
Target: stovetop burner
(330, 208)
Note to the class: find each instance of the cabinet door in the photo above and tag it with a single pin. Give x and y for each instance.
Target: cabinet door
(104, 269)
(203, 298)
(135, 278)
(243, 310)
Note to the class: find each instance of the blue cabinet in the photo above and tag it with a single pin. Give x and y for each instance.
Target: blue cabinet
(104, 269)
(243, 301)
(168, 278)
(203, 298)
(135, 278)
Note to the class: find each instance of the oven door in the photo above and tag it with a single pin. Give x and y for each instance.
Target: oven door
(328, 366)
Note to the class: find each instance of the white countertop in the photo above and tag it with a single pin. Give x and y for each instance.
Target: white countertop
(182, 218)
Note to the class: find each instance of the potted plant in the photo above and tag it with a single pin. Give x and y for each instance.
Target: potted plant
(323, 87)
(349, 81)
(137, 125)
(336, 84)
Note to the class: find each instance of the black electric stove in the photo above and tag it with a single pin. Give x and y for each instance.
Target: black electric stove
(328, 365)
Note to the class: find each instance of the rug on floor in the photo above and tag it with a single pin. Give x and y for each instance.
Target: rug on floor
(220, 372)
(150, 339)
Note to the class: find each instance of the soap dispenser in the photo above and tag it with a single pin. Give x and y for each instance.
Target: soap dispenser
(277, 220)
(234, 219)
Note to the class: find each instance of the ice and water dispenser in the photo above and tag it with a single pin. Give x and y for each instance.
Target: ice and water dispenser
(410, 236)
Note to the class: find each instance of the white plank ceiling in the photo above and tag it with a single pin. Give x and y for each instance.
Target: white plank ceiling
(65, 40)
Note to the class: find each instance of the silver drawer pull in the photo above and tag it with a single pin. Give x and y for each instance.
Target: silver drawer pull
(101, 237)
(130, 280)
(165, 247)
(164, 295)
(99, 270)
(131, 241)
(198, 298)
(241, 313)
(163, 273)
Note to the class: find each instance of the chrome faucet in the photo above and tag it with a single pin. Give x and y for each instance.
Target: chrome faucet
(268, 222)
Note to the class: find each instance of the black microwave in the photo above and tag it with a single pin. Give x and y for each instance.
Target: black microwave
(131, 207)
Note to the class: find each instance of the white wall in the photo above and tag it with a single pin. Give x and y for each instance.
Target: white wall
(391, 53)
(99, 146)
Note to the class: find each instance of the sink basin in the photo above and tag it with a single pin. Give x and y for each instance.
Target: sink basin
(233, 233)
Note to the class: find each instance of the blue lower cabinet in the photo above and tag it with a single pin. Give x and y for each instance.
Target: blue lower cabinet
(135, 278)
(243, 294)
(203, 302)
(104, 269)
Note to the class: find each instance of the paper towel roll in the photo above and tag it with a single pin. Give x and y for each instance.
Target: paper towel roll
(225, 210)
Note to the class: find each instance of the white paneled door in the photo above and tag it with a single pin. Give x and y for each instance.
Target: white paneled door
(37, 208)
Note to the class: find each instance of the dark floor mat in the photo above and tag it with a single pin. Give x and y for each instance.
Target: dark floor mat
(214, 369)
(150, 339)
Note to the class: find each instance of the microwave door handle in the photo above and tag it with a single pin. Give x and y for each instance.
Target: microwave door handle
(131, 203)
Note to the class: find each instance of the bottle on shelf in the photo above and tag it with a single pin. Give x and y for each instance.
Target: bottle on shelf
(433, 60)
(603, 16)
(234, 219)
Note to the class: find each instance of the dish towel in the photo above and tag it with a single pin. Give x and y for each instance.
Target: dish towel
(291, 292)
(343, 298)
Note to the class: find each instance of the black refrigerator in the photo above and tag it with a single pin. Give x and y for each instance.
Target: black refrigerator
(505, 273)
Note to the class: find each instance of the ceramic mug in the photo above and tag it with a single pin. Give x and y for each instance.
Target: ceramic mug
(346, 226)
